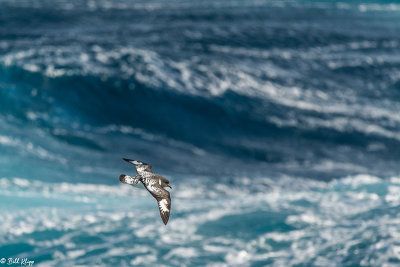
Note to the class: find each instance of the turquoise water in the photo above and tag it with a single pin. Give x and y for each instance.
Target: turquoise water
(345, 222)
(277, 123)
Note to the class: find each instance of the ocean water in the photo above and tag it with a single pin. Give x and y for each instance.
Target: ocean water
(277, 123)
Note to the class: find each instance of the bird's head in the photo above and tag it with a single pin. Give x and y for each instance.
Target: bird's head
(165, 182)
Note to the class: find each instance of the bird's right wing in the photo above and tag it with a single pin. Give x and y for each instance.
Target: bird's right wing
(163, 200)
(145, 167)
(164, 205)
(140, 166)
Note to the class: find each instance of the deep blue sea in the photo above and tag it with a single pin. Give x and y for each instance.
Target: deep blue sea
(276, 122)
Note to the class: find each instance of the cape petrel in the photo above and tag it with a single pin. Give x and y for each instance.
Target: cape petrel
(154, 183)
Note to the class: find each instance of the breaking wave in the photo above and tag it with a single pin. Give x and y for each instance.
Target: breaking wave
(276, 122)
(346, 221)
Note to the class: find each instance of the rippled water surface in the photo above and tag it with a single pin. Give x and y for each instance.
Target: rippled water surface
(277, 123)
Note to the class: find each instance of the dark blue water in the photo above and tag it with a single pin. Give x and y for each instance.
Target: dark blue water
(277, 123)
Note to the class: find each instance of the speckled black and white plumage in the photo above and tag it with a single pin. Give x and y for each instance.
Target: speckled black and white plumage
(134, 181)
(154, 183)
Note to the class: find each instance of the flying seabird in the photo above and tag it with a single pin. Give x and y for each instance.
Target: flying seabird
(154, 183)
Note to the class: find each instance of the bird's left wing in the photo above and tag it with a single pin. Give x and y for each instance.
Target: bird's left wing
(135, 181)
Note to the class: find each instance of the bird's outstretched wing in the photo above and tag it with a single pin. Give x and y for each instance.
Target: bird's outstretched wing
(140, 166)
(135, 181)
(144, 167)
(126, 179)
(164, 205)
(163, 199)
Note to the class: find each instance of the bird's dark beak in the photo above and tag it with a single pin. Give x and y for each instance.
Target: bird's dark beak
(127, 160)
(169, 186)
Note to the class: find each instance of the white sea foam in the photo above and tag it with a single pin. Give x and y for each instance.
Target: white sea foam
(193, 76)
(8, 141)
(323, 215)
(182, 252)
(30, 148)
(145, 135)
